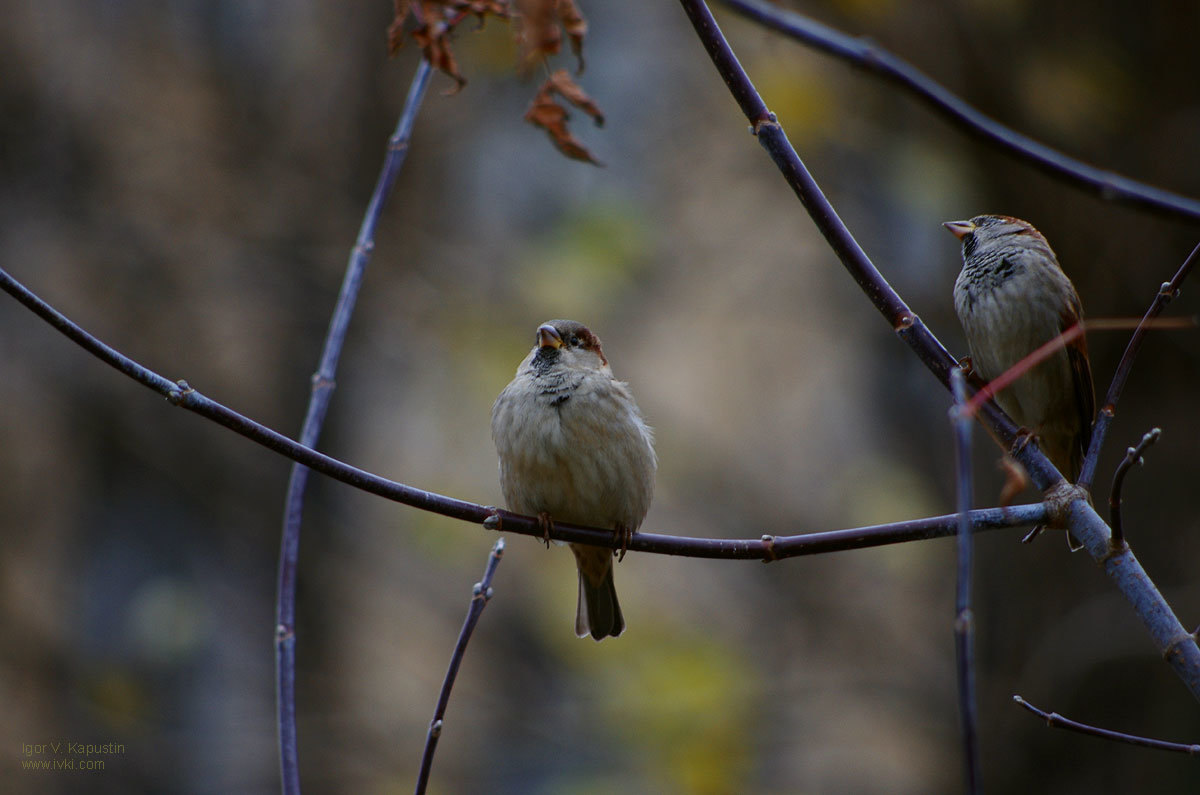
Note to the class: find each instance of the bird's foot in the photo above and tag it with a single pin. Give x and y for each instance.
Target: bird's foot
(624, 535)
(546, 524)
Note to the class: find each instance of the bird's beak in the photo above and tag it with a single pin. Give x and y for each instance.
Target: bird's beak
(959, 229)
(548, 337)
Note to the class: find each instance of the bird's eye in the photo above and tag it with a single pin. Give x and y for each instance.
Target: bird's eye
(574, 341)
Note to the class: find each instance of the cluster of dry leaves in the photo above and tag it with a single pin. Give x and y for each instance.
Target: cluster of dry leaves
(538, 30)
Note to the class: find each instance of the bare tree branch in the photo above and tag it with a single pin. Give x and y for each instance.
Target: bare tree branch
(1056, 721)
(322, 391)
(964, 618)
(481, 594)
(866, 55)
(766, 548)
(1166, 293)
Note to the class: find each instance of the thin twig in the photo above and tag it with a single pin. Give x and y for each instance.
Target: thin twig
(865, 54)
(1132, 455)
(1056, 721)
(1166, 293)
(181, 394)
(1177, 646)
(1059, 342)
(323, 383)
(1022, 366)
(480, 595)
(964, 621)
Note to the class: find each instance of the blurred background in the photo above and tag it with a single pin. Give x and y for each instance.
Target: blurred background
(186, 179)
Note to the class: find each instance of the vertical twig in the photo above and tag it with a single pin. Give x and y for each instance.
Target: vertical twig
(964, 629)
(322, 392)
(480, 595)
(1166, 293)
(1132, 456)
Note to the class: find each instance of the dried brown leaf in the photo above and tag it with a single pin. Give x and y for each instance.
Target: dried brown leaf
(546, 112)
(565, 85)
(576, 28)
(433, 22)
(395, 32)
(436, 46)
(537, 33)
(539, 26)
(482, 9)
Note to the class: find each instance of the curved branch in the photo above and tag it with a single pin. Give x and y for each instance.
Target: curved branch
(766, 548)
(866, 55)
(322, 392)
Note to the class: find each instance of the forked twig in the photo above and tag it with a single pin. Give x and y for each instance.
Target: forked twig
(1132, 456)
(1166, 293)
(480, 595)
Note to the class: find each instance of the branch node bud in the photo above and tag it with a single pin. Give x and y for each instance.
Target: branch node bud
(768, 543)
(1173, 647)
(1058, 499)
(767, 121)
(176, 396)
(493, 520)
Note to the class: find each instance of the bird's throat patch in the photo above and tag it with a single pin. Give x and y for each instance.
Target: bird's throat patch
(544, 360)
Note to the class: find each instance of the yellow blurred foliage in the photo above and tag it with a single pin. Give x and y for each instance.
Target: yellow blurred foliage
(683, 692)
(585, 260)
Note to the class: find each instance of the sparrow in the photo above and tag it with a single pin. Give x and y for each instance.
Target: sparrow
(574, 447)
(1011, 297)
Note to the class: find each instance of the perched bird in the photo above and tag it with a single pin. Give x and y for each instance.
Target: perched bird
(574, 448)
(1011, 297)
